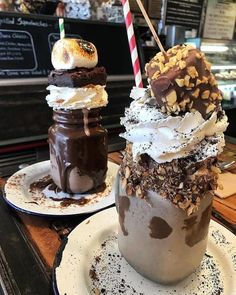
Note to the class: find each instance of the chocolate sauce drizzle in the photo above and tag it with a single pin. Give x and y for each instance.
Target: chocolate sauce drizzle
(160, 229)
(197, 231)
(124, 204)
(86, 129)
(71, 148)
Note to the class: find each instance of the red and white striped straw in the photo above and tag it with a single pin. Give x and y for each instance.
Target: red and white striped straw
(132, 43)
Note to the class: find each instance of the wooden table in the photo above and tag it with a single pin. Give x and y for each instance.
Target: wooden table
(225, 209)
(33, 242)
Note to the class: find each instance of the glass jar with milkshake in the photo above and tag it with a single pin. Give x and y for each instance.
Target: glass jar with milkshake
(77, 141)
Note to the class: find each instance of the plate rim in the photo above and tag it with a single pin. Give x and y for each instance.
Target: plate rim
(112, 211)
(54, 266)
(40, 214)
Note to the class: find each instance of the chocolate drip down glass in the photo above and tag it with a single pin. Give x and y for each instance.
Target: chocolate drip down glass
(78, 150)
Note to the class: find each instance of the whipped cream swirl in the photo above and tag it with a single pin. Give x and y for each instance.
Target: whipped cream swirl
(77, 98)
(164, 137)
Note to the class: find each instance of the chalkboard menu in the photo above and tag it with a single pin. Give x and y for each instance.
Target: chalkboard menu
(26, 42)
(220, 20)
(186, 13)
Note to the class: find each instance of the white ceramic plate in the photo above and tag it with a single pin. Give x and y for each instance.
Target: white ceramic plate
(89, 262)
(20, 194)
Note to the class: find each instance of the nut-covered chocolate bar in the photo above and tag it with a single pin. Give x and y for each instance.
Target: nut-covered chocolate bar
(182, 81)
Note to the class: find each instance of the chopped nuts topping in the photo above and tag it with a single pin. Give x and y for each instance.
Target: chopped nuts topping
(165, 69)
(208, 65)
(166, 179)
(186, 80)
(185, 204)
(179, 55)
(184, 53)
(181, 185)
(214, 95)
(198, 82)
(212, 81)
(127, 172)
(183, 103)
(161, 58)
(182, 64)
(196, 93)
(154, 64)
(192, 72)
(190, 47)
(159, 55)
(171, 64)
(161, 66)
(176, 108)
(169, 109)
(210, 108)
(187, 73)
(156, 75)
(173, 59)
(163, 109)
(138, 192)
(198, 55)
(190, 105)
(192, 208)
(205, 94)
(171, 98)
(204, 80)
(220, 97)
(179, 82)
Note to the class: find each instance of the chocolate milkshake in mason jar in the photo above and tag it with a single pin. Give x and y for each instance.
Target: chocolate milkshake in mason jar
(77, 141)
(174, 132)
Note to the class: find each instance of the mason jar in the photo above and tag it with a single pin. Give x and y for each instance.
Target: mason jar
(158, 239)
(78, 150)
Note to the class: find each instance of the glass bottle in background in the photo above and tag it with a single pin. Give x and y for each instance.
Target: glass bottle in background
(80, 9)
(5, 5)
(35, 7)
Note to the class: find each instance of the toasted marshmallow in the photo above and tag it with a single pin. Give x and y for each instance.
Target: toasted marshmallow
(68, 54)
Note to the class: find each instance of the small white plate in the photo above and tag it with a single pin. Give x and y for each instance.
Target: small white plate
(21, 194)
(89, 262)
